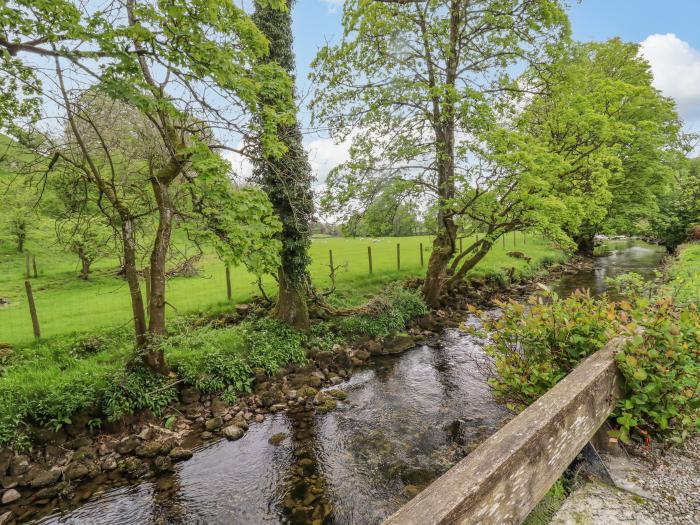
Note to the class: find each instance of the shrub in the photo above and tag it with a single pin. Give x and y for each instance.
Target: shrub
(390, 315)
(533, 348)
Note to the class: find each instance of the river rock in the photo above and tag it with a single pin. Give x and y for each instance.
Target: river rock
(218, 407)
(106, 447)
(206, 435)
(45, 478)
(397, 344)
(168, 444)
(76, 470)
(163, 463)
(109, 463)
(6, 517)
(9, 496)
(135, 467)
(53, 490)
(127, 445)
(259, 418)
(149, 449)
(189, 395)
(213, 423)
(84, 453)
(276, 439)
(232, 432)
(19, 465)
(180, 454)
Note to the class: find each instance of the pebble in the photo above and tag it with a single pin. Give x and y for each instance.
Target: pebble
(10, 495)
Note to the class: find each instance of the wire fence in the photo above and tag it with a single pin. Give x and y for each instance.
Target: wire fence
(62, 303)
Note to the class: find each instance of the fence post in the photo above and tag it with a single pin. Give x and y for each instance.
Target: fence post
(26, 265)
(369, 256)
(32, 309)
(421, 255)
(147, 279)
(398, 257)
(228, 282)
(36, 274)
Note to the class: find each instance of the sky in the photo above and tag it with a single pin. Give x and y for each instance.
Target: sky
(666, 29)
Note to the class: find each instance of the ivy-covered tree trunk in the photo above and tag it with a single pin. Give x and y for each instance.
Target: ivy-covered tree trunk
(287, 182)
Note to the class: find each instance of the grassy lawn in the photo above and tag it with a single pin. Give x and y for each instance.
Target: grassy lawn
(67, 304)
(685, 283)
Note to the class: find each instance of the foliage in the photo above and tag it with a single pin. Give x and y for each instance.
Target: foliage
(679, 207)
(684, 284)
(661, 367)
(390, 314)
(614, 137)
(390, 213)
(533, 348)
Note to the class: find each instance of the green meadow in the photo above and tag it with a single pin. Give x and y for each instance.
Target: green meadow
(67, 304)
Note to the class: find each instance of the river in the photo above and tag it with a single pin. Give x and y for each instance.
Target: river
(406, 420)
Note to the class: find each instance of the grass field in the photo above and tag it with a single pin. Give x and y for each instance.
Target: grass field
(685, 274)
(67, 304)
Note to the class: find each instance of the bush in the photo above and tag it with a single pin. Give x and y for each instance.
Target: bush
(533, 348)
(390, 314)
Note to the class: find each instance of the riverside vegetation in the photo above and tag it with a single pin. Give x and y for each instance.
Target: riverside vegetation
(535, 346)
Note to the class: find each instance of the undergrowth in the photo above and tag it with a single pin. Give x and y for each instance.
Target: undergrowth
(99, 377)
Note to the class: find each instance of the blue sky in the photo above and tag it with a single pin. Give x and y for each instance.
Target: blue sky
(667, 30)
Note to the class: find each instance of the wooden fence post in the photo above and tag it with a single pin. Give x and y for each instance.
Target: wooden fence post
(32, 309)
(26, 265)
(369, 256)
(228, 282)
(36, 274)
(398, 257)
(421, 255)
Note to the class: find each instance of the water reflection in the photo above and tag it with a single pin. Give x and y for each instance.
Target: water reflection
(623, 257)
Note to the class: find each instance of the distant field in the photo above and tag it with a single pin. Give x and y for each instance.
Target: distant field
(67, 304)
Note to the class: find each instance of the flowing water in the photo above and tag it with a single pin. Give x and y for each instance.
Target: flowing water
(406, 420)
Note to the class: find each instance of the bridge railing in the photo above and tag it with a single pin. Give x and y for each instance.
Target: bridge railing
(501, 481)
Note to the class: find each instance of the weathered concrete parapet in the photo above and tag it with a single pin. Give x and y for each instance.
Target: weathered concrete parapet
(503, 479)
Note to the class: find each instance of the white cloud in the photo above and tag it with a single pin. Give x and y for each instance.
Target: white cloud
(676, 68)
(333, 5)
(324, 155)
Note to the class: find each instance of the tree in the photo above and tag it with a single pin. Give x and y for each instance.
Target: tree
(390, 213)
(679, 208)
(287, 181)
(182, 77)
(414, 82)
(636, 128)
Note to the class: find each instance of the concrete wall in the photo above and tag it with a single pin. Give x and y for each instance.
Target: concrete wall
(502, 480)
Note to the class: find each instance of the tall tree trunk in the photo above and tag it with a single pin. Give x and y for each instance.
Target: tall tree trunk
(444, 127)
(291, 306)
(287, 182)
(132, 279)
(155, 358)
